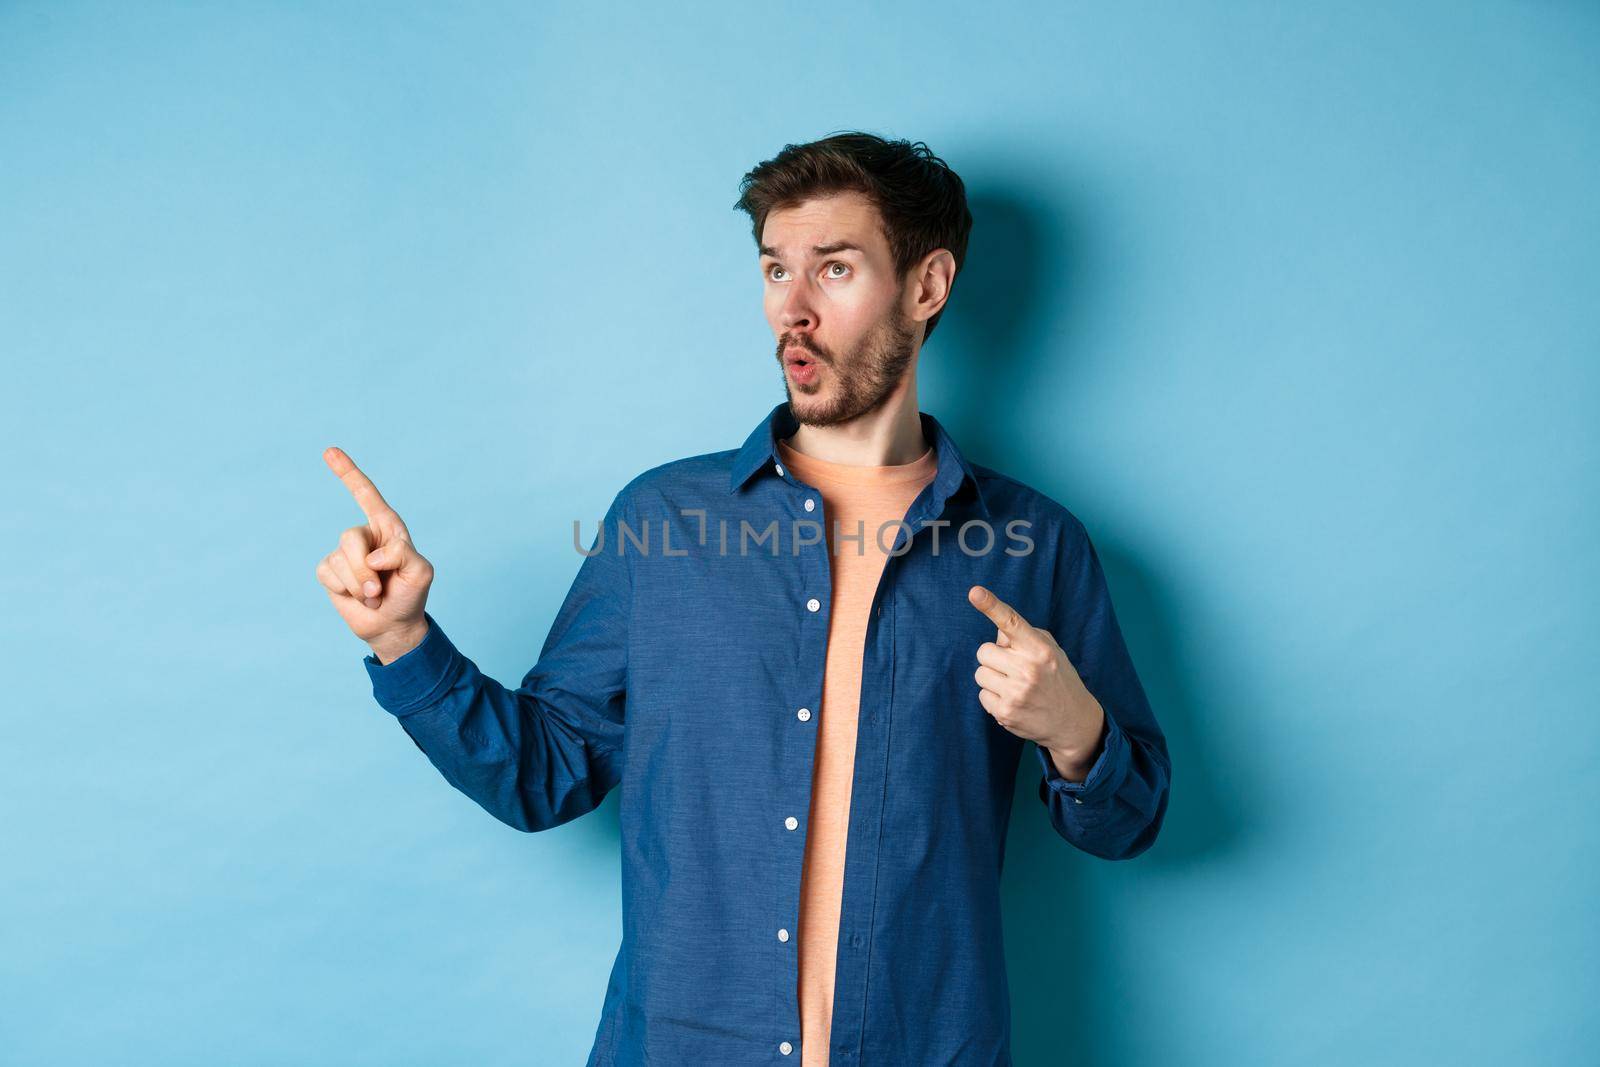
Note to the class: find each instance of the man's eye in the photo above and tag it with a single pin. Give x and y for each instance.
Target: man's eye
(845, 267)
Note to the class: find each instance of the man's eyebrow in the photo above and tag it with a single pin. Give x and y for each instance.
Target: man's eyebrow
(819, 250)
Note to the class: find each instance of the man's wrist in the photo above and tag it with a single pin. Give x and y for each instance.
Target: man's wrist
(390, 647)
(1074, 771)
(1074, 766)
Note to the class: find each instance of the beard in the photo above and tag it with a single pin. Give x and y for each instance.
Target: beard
(856, 383)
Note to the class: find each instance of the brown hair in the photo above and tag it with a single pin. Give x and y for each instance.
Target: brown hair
(921, 200)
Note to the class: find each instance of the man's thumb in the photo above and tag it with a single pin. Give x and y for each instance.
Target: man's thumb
(386, 557)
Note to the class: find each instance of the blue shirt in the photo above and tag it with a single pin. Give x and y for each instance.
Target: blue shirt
(686, 667)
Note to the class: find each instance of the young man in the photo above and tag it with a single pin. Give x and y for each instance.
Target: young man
(812, 664)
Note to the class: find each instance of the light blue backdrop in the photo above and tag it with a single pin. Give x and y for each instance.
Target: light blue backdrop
(1296, 308)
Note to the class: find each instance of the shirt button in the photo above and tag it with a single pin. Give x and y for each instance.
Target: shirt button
(779, 468)
(811, 505)
(1077, 800)
(804, 714)
(791, 822)
(786, 1048)
(813, 604)
(783, 935)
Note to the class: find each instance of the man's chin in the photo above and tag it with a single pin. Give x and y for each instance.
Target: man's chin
(810, 405)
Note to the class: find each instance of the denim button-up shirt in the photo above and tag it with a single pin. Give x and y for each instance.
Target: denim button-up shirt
(685, 667)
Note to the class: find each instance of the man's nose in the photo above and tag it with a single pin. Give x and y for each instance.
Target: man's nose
(799, 309)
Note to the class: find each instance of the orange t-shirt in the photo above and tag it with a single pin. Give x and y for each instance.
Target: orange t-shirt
(855, 500)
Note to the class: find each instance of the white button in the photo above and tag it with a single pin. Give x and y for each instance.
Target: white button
(1077, 800)
(791, 822)
(811, 505)
(813, 604)
(786, 1048)
(779, 468)
(783, 935)
(803, 714)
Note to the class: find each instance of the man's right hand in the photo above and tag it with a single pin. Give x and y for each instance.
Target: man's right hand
(377, 580)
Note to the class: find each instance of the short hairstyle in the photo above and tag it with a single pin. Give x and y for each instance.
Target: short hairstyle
(923, 203)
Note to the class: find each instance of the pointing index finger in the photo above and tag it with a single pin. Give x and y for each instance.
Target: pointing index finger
(360, 486)
(1000, 613)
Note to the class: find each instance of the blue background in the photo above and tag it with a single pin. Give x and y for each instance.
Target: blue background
(1293, 305)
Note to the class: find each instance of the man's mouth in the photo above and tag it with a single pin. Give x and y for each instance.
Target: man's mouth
(802, 366)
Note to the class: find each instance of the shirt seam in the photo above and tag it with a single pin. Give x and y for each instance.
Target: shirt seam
(883, 805)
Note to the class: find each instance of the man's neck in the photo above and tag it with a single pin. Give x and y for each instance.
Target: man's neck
(890, 436)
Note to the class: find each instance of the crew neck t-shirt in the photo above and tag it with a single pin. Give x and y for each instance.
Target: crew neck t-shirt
(856, 500)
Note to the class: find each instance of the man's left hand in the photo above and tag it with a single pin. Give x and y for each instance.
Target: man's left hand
(1030, 687)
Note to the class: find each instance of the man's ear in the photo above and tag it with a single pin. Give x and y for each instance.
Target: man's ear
(929, 281)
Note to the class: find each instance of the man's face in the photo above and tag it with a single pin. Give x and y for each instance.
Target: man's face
(833, 300)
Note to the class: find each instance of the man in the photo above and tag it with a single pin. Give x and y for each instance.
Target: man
(811, 663)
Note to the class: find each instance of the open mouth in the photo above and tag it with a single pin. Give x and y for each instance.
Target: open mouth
(801, 366)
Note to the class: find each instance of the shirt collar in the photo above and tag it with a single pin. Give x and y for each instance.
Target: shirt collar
(760, 450)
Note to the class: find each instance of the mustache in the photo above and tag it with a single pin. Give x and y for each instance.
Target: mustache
(788, 346)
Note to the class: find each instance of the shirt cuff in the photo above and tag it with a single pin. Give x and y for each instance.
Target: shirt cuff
(1103, 779)
(420, 677)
